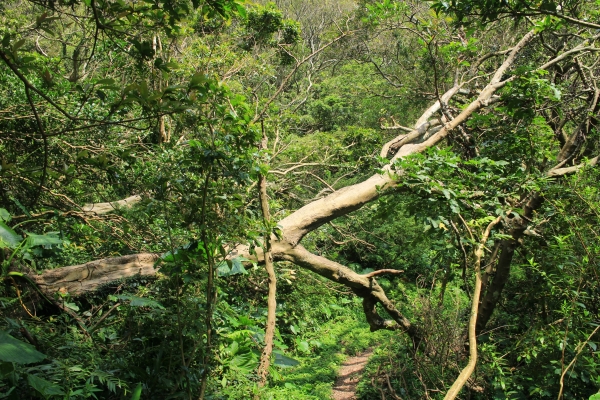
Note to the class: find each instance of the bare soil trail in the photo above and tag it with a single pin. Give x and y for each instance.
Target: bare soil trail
(349, 375)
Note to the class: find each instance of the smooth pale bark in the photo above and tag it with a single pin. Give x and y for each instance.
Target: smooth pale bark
(340, 202)
(105, 208)
(467, 371)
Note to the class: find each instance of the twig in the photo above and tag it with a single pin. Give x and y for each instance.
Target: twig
(102, 318)
(383, 272)
(579, 350)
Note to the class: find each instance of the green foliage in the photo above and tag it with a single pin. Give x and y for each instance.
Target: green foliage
(168, 99)
(487, 11)
(266, 27)
(9, 237)
(330, 112)
(12, 350)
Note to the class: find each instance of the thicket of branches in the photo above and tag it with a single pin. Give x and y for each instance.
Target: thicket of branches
(437, 161)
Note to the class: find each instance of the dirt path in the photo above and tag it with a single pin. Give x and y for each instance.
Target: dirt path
(349, 375)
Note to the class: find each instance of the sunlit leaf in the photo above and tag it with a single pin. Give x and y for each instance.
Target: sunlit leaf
(237, 267)
(284, 361)
(4, 215)
(8, 237)
(47, 240)
(135, 301)
(137, 392)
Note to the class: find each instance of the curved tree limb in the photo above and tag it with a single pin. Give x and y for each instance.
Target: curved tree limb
(364, 286)
(465, 374)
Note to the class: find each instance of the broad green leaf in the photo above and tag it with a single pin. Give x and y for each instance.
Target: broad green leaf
(13, 350)
(237, 267)
(223, 269)
(176, 255)
(72, 306)
(241, 10)
(8, 237)
(168, 256)
(47, 240)
(46, 388)
(593, 346)
(135, 301)
(4, 215)
(198, 79)
(285, 361)
(18, 44)
(244, 363)
(137, 392)
(303, 347)
(233, 348)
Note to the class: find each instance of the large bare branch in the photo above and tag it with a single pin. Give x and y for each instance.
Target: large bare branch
(423, 124)
(353, 197)
(482, 100)
(364, 286)
(556, 172)
(341, 202)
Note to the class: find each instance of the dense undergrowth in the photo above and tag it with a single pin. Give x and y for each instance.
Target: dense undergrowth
(121, 349)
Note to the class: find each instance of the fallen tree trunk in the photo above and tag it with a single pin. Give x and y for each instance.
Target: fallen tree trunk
(79, 279)
(105, 208)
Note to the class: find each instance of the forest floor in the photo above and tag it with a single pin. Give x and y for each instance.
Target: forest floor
(334, 368)
(349, 375)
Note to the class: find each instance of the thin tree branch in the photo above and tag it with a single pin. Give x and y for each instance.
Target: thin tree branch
(470, 367)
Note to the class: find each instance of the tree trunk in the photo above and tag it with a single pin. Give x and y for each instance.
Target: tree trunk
(265, 358)
(80, 279)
